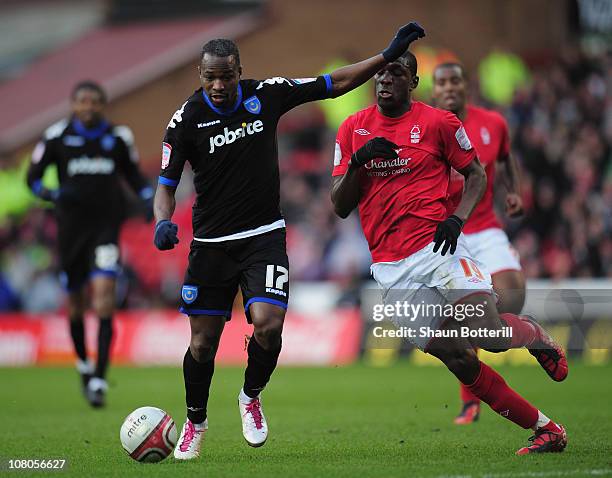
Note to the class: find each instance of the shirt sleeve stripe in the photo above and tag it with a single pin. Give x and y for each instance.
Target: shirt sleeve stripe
(328, 83)
(168, 182)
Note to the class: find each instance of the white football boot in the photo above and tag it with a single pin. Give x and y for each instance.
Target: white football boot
(96, 392)
(190, 441)
(86, 370)
(254, 426)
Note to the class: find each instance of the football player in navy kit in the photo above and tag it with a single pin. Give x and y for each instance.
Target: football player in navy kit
(227, 131)
(91, 155)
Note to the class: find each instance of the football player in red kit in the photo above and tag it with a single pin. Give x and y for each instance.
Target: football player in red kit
(393, 162)
(485, 239)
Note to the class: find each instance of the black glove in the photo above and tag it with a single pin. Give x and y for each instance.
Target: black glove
(375, 148)
(402, 40)
(447, 233)
(165, 235)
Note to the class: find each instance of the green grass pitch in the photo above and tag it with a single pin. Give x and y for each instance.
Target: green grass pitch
(344, 421)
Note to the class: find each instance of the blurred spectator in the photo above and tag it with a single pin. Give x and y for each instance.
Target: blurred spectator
(500, 74)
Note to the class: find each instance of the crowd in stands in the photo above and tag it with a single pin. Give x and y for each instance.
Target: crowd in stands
(561, 133)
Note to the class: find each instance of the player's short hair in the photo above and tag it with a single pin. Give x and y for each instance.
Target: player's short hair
(409, 61)
(89, 85)
(221, 47)
(451, 64)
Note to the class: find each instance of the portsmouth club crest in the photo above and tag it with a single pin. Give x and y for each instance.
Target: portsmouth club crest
(252, 105)
(108, 142)
(189, 293)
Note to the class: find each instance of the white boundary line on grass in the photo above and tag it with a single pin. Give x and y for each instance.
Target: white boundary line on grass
(538, 474)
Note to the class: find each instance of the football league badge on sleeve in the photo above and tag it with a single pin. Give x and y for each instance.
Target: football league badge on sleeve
(166, 153)
(189, 293)
(252, 105)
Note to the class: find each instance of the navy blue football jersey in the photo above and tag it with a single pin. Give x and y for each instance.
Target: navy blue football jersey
(234, 154)
(90, 163)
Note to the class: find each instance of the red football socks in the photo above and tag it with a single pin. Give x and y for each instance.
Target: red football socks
(492, 389)
(523, 332)
(466, 395)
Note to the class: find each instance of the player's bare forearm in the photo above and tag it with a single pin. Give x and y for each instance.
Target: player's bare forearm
(511, 174)
(345, 192)
(475, 185)
(350, 77)
(164, 204)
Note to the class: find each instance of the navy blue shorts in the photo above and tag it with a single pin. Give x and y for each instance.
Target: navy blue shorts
(257, 264)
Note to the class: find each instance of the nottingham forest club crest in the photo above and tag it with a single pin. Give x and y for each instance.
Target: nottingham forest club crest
(415, 134)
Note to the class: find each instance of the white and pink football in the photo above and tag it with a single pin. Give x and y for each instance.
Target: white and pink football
(148, 434)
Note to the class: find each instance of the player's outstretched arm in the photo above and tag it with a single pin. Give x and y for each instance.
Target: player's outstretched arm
(350, 77)
(163, 207)
(475, 185)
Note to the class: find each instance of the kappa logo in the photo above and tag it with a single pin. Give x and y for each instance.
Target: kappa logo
(362, 132)
(277, 80)
(210, 123)
(177, 117)
(189, 293)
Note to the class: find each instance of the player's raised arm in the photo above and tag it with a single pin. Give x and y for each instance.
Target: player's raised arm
(350, 77)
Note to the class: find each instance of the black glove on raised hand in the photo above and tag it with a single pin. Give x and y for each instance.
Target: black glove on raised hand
(447, 233)
(165, 235)
(402, 40)
(375, 148)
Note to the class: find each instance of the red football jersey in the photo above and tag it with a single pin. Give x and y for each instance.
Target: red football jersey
(488, 132)
(403, 200)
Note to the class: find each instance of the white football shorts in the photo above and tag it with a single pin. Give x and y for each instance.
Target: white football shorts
(433, 284)
(492, 248)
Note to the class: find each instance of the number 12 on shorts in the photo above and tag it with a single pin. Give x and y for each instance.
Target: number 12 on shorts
(281, 280)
